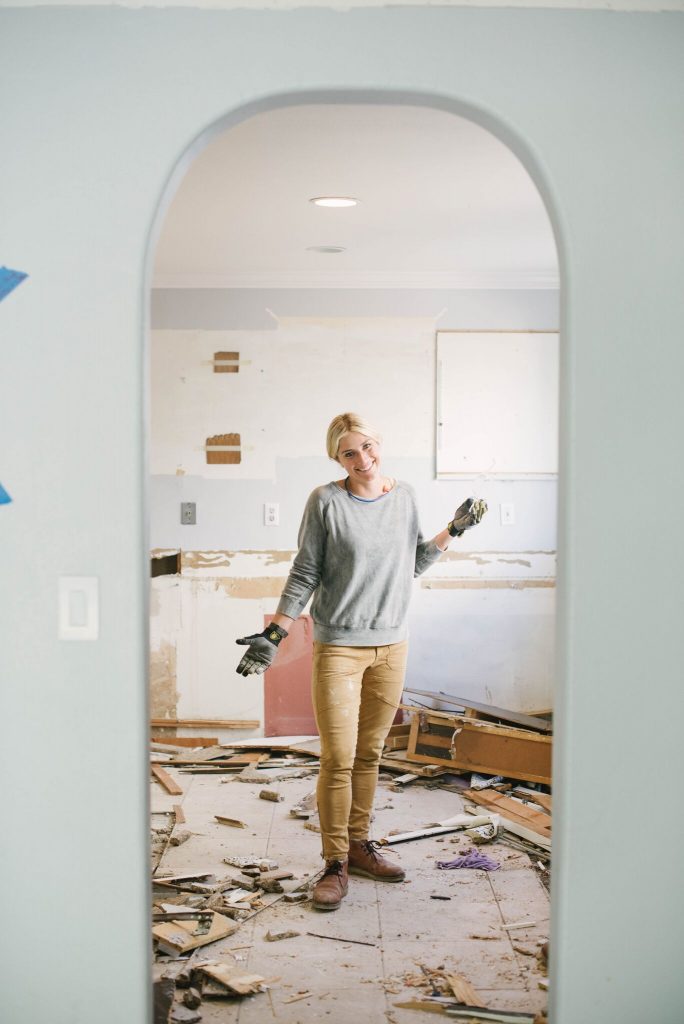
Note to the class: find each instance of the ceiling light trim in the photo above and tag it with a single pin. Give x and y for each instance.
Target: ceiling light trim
(335, 202)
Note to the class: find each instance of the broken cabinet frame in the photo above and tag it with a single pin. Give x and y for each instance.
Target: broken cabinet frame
(469, 744)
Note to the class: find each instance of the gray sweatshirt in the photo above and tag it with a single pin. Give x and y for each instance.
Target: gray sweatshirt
(358, 559)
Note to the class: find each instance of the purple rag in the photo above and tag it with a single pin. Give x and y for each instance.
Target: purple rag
(472, 859)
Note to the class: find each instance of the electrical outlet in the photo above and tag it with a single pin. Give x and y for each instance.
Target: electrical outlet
(507, 513)
(188, 513)
(271, 513)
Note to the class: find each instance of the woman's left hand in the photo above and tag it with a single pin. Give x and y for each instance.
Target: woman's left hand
(468, 514)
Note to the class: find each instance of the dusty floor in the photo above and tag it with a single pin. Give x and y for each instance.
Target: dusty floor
(407, 929)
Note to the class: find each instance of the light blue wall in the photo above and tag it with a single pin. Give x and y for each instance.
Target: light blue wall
(97, 108)
(214, 309)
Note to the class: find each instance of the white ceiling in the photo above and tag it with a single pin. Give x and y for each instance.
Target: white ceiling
(443, 204)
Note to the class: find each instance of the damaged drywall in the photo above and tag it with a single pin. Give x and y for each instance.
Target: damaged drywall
(163, 682)
(494, 587)
(500, 638)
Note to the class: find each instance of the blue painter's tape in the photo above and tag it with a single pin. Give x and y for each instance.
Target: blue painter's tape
(4, 496)
(9, 279)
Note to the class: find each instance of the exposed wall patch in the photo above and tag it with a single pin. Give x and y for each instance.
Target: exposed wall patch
(163, 692)
(226, 362)
(255, 587)
(523, 584)
(223, 559)
(223, 449)
(165, 565)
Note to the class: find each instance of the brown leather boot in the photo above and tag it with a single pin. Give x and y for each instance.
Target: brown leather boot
(364, 859)
(330, 889)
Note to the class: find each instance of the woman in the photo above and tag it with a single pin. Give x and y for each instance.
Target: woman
(360, 546)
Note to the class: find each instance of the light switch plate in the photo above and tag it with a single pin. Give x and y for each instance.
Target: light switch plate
(79, 608)
(507, 513)
(188, 513)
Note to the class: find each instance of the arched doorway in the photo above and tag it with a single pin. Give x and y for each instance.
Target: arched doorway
(484, 621)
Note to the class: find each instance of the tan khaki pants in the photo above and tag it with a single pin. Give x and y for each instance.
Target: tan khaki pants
(356, 691)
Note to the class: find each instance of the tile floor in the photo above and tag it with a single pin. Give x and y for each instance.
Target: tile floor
(408, 929)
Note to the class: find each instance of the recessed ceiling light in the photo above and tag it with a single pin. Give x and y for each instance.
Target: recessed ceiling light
(325, 248)
(334, 201)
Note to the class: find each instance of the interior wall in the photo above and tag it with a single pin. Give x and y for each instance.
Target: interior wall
(495, 588)
(98, 107)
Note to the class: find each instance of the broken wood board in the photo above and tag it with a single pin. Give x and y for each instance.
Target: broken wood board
(179, 814)
(405, 780)
(231, 978)
(525, 833)
(459, 821)
(268, 742)
(531, 795)
(477, 1014)
(424, 771)
(183, 936)
(217, 760)
(165, 749)
(185, 741)
(186, 881)
(486, 711)
(163, 777)
(471, 1014)
(400, 729)
(278, 875)
(455, 741)
(204, 723)
(234, 822)
(201, 755)
(463, 990)
(421, 1004)
(397, 739)
(512, 810)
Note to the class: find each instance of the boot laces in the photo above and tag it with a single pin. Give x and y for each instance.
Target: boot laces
(334, 868)
(372, 846)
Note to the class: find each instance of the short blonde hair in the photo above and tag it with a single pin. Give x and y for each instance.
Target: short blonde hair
(346, 423)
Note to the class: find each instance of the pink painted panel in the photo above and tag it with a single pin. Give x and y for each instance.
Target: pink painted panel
(287, 684)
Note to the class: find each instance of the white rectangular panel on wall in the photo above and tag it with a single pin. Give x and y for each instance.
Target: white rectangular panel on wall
(497, 403)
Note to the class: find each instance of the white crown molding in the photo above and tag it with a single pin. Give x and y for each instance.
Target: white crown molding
(494, 280)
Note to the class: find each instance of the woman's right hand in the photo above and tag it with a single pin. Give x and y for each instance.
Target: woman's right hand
(263, 648)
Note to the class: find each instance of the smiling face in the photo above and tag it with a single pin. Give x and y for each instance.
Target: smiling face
(359, 455)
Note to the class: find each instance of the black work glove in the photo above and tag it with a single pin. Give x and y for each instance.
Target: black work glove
(263, 648)
(466, 515)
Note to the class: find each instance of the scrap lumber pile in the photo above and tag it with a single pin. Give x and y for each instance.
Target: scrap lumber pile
(195, 910)
(198, 915)
(497, 760)
(262, 759)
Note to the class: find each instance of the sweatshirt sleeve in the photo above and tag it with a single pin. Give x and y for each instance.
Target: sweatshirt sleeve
(305, 574)
(427, 553)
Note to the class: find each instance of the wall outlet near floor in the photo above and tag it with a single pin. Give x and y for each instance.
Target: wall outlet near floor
(507, 513)
(271, 513)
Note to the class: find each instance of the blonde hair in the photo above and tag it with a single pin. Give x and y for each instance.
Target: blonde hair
(346, 423)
